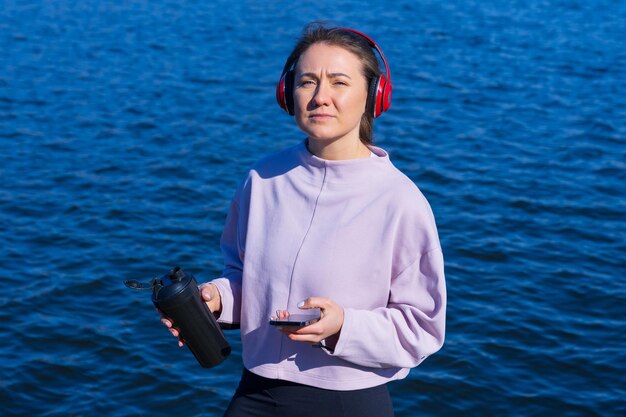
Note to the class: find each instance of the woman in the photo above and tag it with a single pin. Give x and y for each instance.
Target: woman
(329, 224)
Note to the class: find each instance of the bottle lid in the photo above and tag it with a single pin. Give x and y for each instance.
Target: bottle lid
(172, 284)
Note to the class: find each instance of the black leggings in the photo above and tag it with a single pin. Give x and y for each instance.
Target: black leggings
(257, 396)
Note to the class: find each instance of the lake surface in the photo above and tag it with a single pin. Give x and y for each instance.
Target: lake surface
(125, 127)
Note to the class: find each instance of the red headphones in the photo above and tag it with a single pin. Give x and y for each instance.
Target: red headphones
(378, 96)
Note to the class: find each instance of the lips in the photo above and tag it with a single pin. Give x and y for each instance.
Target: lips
(321, 116)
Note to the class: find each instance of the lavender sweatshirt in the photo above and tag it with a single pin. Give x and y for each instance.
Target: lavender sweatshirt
(356, 231)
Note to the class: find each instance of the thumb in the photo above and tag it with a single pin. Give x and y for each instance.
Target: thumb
(207, 293)
(312, 302)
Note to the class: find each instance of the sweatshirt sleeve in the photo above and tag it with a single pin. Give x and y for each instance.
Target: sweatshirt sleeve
(229, 284)
(409, 329)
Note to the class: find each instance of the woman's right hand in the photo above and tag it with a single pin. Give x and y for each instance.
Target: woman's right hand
(210, 295)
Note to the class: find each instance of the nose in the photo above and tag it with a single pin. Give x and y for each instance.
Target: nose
(322, 94)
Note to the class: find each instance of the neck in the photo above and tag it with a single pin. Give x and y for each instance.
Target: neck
(338, 150)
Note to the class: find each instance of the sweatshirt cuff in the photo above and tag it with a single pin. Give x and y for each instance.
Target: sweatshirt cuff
(345, 335)
(228, 313)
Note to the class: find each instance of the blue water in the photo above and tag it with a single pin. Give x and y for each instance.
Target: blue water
(126, 125)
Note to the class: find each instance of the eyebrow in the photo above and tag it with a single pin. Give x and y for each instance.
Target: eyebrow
(331, 75)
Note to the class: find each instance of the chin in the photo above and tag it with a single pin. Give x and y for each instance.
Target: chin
(324, 138)
(324, 134)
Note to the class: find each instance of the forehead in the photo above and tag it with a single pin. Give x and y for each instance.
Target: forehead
(330, 58)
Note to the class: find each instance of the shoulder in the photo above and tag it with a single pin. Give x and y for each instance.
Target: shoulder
(277, 162)
(270, 166)
(403, 189)
(408, 211)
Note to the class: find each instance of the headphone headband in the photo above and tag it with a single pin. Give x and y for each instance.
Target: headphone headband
(379, 92)
(375, 46)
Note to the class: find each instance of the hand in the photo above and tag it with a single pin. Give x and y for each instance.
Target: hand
(210, 295)
(328, 327)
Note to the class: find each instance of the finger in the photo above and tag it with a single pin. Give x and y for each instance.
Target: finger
(166, 322)
(176, 333)
(314, 302)
(311, 338)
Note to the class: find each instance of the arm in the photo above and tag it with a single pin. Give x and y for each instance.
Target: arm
(229, 284)
(410, 328)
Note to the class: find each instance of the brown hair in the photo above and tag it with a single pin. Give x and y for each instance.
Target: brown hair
(316, 32)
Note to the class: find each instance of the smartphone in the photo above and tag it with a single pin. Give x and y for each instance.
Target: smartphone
(299, 319)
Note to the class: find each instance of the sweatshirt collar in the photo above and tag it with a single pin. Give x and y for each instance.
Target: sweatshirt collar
(346, 170)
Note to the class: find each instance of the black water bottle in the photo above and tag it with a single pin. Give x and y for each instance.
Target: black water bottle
(177, 295)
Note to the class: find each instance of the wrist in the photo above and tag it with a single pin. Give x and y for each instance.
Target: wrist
(331, 341)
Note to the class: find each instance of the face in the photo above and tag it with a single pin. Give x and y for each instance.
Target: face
(330, 93)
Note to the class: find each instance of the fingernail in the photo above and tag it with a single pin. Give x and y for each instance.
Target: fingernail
(301, 304)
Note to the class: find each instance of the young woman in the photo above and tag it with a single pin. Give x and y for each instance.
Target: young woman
(329, 224)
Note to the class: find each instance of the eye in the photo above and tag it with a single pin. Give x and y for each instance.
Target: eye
(306, 83)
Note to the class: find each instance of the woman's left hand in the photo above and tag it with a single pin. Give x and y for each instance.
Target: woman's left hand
(328, 327)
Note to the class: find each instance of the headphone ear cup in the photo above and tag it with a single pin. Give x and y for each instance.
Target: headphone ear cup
(372, 97)
(379, 96)
(383, 95)
(289, 79)
(284, 92)
(280, 93)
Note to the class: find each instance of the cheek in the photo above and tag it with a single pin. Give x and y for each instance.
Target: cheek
(354, 103)
(299, 105)
(300, 102)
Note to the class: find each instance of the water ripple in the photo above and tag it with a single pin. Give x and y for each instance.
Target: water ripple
(127, 126)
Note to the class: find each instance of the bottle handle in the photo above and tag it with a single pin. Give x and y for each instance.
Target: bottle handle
(155, 284)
